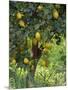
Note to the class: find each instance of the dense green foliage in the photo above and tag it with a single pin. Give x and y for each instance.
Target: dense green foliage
(37, 38)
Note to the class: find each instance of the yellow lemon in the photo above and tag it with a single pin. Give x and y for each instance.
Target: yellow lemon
(48, 45)
(13, 61)
(40, 7)
(18, 15)
(37, 36)
(22, 23)
(44, 63)
(34, 41)
(55, 14)
(26, 61)
(45, 50)
(29, 42)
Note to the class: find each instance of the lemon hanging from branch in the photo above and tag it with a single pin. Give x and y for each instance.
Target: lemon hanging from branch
(40, 8)
(38, 36)
(45, 50)
(13, 61)
(55, 14)
(19, 15)
(48, 45)
(29, 42)
(22, 23)
(26, 61)
(34, 41)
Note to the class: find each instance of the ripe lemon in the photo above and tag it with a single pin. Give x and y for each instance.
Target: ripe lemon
(22, 23)
(44, 63)
(13, 61)
(26, 61)
(37, 36)
(48, 45)
(18, 15)
(34, 41)
(45, 50)
(40, 7)
(55, 14)
(29, 42)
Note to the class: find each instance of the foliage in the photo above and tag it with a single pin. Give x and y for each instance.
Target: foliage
(37, 44)
(55, 73)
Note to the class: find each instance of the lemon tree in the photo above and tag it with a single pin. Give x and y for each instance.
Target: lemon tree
(37, 44)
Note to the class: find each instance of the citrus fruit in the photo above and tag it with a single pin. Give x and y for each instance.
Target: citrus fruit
(37, 36)
(45, 50)
(40, 7)
(34, 41)
(44, 63)
(55, 14)
(13, 61)
(18, 15)
(48, 45)
(22, 23)
(26, 61)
